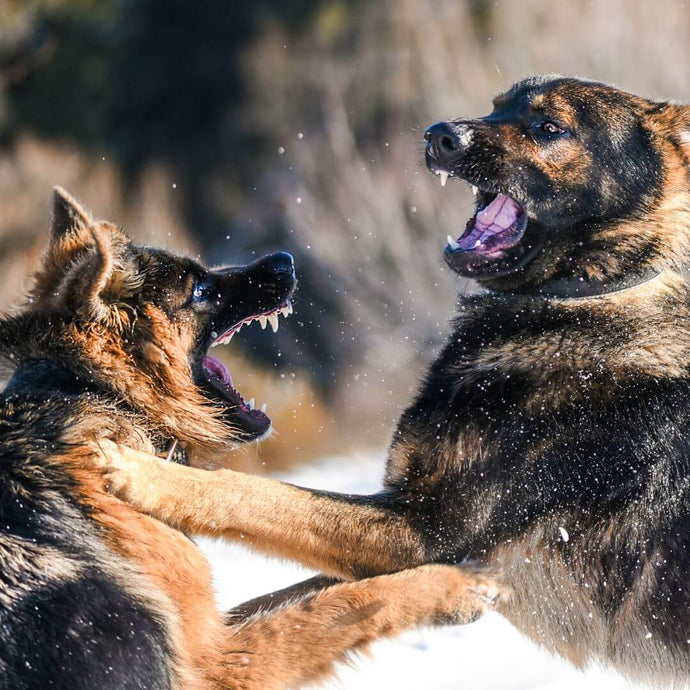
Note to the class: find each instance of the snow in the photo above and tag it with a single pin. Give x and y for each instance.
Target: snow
(489, 654)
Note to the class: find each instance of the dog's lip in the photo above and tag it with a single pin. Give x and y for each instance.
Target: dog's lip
(218, 376)
(483, 186)
(270, 316)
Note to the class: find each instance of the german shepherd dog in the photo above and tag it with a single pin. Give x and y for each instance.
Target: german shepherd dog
(93, 594)
(550, 438)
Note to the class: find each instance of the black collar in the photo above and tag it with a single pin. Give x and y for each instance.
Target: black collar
(581, 288)
(45, 376)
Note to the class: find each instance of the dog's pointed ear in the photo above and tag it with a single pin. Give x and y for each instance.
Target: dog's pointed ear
(93, 276)
(85, 270)
(95, 285)
(70, 223)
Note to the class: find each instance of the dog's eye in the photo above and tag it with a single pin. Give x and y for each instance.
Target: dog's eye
(549, 127)
(200, 290)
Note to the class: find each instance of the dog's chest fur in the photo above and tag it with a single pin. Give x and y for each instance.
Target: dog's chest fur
(547, 436)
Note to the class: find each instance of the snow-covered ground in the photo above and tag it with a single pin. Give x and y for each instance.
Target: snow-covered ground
(487, 655)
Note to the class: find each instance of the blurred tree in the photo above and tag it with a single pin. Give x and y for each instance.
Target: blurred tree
(162, 80)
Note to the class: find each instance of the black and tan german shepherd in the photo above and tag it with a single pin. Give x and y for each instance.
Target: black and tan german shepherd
(551, 436)
(94, 595)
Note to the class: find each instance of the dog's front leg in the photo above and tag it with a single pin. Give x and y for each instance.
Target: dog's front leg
(345, 535)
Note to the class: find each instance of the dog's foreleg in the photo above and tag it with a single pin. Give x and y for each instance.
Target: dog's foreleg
(344, 535)
(300, 641)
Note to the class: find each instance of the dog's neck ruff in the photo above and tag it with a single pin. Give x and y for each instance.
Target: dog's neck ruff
(46, 377)
(581, 288)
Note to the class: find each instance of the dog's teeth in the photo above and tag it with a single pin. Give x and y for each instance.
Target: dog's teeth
(263, 321)
(444, 178)
(273, 320)
(453, 243)
(475, 189)
(289, 307)
(250, 404)
(263, 408)
(476, 244)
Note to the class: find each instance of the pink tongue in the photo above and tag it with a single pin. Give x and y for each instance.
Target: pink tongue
(499, 215)
(218, 369)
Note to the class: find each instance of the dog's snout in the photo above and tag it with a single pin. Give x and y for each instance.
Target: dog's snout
(442, 138)
(446, 140)
(272, 268)
(279, 263)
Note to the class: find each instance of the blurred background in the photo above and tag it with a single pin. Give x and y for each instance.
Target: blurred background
(226, 129)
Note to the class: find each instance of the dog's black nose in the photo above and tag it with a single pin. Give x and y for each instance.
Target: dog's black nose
(280, 262)
(443, 140)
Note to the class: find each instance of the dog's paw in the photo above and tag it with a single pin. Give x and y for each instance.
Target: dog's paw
(120, 465)
(476, 590)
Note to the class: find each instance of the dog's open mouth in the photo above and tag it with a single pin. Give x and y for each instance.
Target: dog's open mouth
(498, 224)
(252, 421)
(493, 242)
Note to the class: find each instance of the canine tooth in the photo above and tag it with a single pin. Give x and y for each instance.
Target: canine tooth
(475, 189)
(263, 321)
(476, 244)
(273, 320)
(453, 243)
(250, 404)
(444, 178)
(289, 306)
(263, 408)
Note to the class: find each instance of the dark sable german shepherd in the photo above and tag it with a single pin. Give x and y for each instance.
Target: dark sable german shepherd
(95, 595)
(551, 436)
